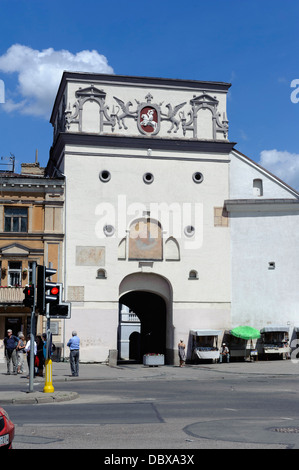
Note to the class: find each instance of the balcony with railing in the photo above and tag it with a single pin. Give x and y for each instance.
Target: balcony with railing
(130, 317)
(11, 295)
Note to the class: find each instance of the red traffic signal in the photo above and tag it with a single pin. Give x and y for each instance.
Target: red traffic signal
(59, 309)
(29, 296)
(54, 290)
(55, 293)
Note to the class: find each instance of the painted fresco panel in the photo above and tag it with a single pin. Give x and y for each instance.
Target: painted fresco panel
(145, 241)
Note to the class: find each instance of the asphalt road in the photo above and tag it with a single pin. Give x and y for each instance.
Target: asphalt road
(221, 412)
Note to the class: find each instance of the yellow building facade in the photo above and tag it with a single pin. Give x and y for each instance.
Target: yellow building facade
(31, 229)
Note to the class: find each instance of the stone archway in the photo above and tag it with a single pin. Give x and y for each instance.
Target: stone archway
(149, 296)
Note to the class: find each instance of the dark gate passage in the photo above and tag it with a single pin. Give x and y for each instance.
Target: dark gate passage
(151, 310)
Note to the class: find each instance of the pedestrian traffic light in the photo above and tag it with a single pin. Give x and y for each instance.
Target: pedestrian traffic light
(29, 296)
(47, 291)
(62, 310)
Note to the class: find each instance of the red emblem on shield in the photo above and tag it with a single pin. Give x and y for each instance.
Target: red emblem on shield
(148, 119)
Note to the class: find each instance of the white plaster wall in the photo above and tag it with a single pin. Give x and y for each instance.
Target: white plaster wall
(209, 256)
(208, 252)
(262, 296)
(96, 326)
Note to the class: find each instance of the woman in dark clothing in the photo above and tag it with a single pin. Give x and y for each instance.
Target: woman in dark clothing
(40, 356)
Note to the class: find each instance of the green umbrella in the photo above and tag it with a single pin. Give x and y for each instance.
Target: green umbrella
(245, 332)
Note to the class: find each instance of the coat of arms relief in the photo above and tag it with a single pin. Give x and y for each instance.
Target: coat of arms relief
(147, 114)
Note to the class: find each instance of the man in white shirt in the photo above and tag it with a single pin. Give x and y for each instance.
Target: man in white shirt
(224, 352)
(27, 350)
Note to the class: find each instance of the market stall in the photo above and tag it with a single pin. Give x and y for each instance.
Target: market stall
(275, 340)
(205, 344)
(240, 345)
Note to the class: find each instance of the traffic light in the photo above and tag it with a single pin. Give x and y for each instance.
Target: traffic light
(50, 293)
(62, 310)
(54, 297)
(55, 291)
(59, 309)
(29, 296)
(47, 291)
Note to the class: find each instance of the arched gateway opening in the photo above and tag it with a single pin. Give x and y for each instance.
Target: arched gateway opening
(148, 301)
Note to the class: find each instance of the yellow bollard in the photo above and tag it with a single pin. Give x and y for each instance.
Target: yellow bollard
(48, 388)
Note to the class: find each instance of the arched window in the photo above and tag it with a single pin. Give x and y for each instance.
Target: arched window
(122, 249)
(193, 274)
(91, 117)
(101, 274)
(172, 250)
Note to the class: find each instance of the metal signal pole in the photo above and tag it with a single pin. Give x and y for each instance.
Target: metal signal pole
(32, 330)
(48, 388)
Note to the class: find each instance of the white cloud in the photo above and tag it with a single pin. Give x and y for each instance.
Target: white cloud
(283, 164)
(39, 75)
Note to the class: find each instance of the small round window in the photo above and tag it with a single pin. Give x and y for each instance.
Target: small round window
(109, 230)
(148, 178)
(197, 177)
(189, 231)
(105, 176)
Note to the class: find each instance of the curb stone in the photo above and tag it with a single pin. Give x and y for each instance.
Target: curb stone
(26, 398)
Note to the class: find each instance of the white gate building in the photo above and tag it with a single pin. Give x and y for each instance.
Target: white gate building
(165, 216)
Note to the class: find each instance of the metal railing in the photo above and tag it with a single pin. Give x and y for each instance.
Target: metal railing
(129, 317)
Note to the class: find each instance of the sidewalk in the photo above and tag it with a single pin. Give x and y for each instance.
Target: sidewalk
(17, 386)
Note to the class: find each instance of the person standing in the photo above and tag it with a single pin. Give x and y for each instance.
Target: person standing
(74, 345)
(40, 356)
(182, 352)
(28, 351)
(10, 344)
(44, 338)
(21, 352)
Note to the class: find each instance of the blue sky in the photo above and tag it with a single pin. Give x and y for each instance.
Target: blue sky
(253, 44)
